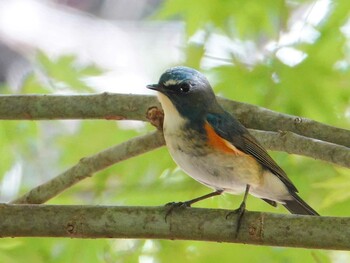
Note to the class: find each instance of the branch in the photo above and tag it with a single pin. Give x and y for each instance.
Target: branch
(134, 107)
(295, 144)
(186, 224)
(289, 142)
(260, 118)
(64, 107)
(89, 165)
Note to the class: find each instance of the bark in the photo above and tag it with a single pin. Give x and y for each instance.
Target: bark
(183, 223)
(134, 107)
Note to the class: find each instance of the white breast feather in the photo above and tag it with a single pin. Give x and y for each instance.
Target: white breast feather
(172, 119)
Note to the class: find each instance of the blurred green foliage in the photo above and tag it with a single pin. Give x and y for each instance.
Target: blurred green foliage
(65, 72)
(317, 88)
(243, 18)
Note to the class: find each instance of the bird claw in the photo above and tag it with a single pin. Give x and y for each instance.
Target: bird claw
(178, 204)
(173, 205)
(239, 212)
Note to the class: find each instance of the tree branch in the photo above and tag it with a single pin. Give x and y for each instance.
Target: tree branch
(112, 107)
(64, 107)
(260, 118)
(296, 144)
(187, 224)
(89, 165)
(134, 107)
(86, 167)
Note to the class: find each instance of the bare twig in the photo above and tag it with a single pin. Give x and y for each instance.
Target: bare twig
(98, 106)
(117, 106)
(89, 165)
(134, 107)
(296, 144)
(260, 118)
(288, 142)
(186, 224)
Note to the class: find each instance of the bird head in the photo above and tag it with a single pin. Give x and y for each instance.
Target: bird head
(187, 90)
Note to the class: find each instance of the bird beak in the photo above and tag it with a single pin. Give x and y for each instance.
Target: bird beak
(156, 87)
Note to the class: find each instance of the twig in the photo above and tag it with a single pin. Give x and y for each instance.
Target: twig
(97, 106)
(89, 165)
(187, 224)
(134, 107)
(260, 118)
(296, 144)
(288, 142)
(42, 107)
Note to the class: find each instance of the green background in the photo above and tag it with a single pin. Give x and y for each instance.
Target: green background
(317, 88)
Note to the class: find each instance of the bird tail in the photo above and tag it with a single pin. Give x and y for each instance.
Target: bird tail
(298, 206)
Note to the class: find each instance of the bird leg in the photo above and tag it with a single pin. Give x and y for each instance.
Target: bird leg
(188, 203)
(240, 211)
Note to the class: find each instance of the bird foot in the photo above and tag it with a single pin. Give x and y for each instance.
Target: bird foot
(239, 212)
(173, 205)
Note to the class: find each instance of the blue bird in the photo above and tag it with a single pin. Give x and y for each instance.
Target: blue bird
(215, 149)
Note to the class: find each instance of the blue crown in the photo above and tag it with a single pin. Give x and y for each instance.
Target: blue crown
(176, 75)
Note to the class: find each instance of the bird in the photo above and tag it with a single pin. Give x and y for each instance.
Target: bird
(215, 149)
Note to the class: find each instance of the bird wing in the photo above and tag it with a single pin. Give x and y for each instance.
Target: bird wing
(231, 130)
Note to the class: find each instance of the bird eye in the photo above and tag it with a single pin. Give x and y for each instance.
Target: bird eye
(185, 87)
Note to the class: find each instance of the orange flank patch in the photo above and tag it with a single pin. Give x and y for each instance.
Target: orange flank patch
(219, 143)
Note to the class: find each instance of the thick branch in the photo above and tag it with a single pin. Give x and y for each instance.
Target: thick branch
(90, 165)
(134, 107)
(186, 224)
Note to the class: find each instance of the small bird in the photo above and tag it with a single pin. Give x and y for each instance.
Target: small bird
(215, 149)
